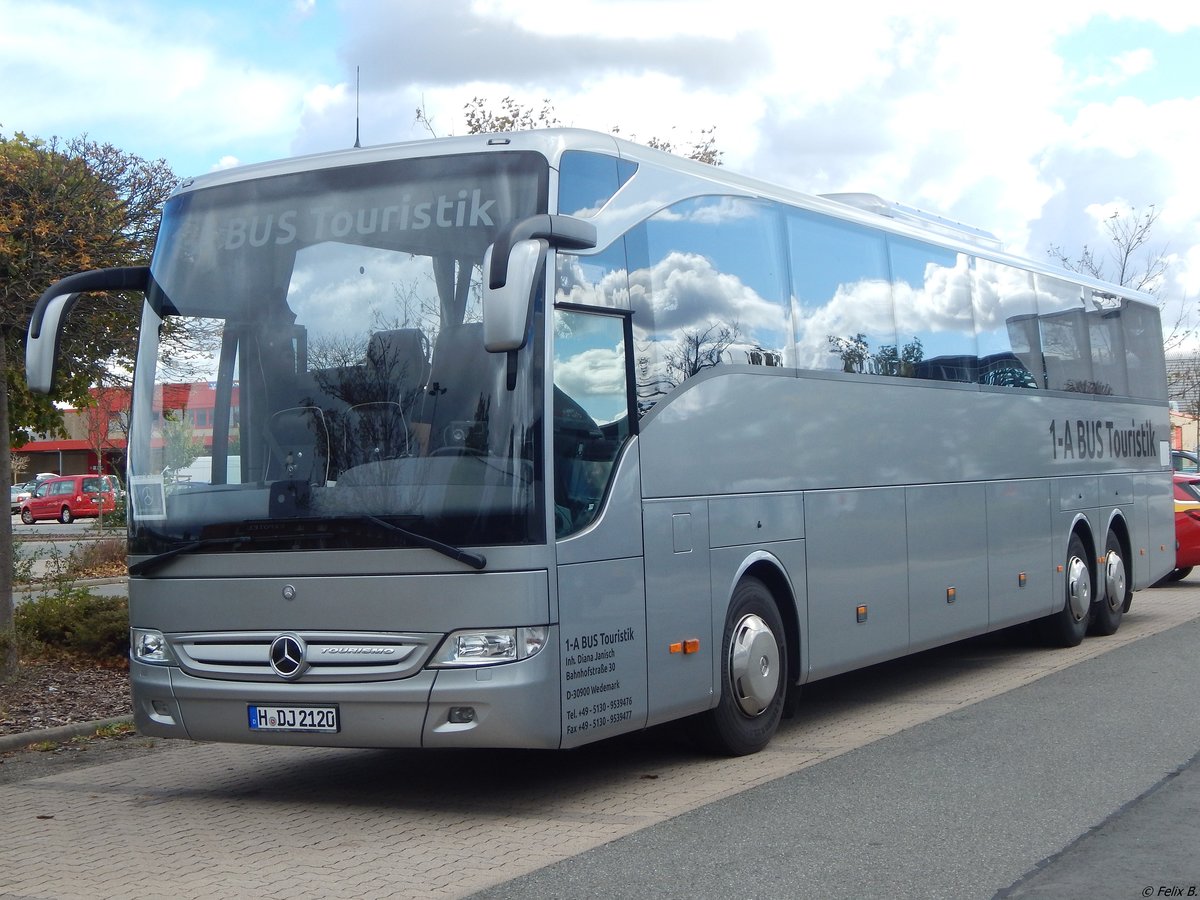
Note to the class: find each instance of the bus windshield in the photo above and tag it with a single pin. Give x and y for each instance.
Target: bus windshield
(312, 372)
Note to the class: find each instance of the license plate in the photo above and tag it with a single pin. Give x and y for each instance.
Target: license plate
(322, 719)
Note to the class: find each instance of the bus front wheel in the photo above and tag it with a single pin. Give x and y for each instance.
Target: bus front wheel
(753, 675)
(1067, 627)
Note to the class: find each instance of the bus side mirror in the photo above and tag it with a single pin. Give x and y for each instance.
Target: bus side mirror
(506, 308)
(511, 266)
(46, 323)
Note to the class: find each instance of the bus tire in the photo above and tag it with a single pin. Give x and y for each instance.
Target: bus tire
(1107, 612)
(1067, 627)
(753, 675)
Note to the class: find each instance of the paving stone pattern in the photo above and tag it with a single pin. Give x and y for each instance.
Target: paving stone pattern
(243, 821)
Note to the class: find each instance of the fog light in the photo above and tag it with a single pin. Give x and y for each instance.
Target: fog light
(462, 715)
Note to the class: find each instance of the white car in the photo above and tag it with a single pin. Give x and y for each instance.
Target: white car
(18, 494)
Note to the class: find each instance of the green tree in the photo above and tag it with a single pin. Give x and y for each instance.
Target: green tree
(65, 207)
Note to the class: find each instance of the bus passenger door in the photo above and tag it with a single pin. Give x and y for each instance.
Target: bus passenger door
(679, 619)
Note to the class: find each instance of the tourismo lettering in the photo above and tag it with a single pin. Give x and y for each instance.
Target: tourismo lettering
(468, 210)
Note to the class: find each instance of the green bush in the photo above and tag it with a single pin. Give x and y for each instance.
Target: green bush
(74, 622)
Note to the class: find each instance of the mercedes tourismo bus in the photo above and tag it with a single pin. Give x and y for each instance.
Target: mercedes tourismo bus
(527, 440)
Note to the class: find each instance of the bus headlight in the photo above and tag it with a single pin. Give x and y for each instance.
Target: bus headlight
(488, 646)
(149, 646)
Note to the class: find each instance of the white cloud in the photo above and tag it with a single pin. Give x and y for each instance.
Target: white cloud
(942, 105)
(143, 78)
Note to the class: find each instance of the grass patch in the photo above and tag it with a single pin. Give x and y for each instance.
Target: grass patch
(118, 729)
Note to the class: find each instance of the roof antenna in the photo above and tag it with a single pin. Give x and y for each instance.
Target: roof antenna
(357, 145)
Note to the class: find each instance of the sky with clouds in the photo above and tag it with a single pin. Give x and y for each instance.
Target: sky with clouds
(1035, 121)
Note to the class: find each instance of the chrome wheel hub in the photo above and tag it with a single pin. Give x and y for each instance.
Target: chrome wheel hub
(1079, 588)
(1114, 580)
(754, 665)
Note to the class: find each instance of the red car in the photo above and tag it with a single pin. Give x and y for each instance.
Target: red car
(67, 498)
(1187, 525)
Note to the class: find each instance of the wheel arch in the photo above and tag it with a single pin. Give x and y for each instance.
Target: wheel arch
(1083, 528)
(1118, 526)
(767, 568)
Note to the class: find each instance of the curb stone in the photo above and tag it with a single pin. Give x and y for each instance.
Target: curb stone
(59, 734)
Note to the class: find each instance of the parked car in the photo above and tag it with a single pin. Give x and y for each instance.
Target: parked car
(1185, 461)
(1187, 525)
(18, 494)
(67, 498)
(114, 485)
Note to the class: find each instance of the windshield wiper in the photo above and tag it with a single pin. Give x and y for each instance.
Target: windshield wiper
(474, 560)
(147, 565)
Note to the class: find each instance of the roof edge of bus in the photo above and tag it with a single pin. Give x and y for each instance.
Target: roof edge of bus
(860, 207)
(546, 140)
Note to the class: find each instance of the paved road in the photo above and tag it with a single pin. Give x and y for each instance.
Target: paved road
(989, 768)
(1085, 783)
(51, 528)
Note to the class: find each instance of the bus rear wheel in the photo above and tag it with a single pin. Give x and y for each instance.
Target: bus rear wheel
(1106, 616)
(753, 675)
(1067, 627)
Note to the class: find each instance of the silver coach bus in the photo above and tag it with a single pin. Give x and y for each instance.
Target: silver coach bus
(527, 440)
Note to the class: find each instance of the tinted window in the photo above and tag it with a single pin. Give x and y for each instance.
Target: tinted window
(588, 180)
(711, 292)
(1063, 326)
(1144, 363)
(601, 279)
(931, 292)
(1106, 340)
(1006, 327)
(842, 292)
(591, 413)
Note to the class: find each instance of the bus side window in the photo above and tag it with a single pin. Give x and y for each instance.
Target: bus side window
(709, 291)
(591, 413)
(931, 289)
(1010, 350)
(841, 288)
(1066, 347)
(588, 180)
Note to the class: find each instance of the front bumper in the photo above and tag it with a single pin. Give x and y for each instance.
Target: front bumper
(515, 705)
